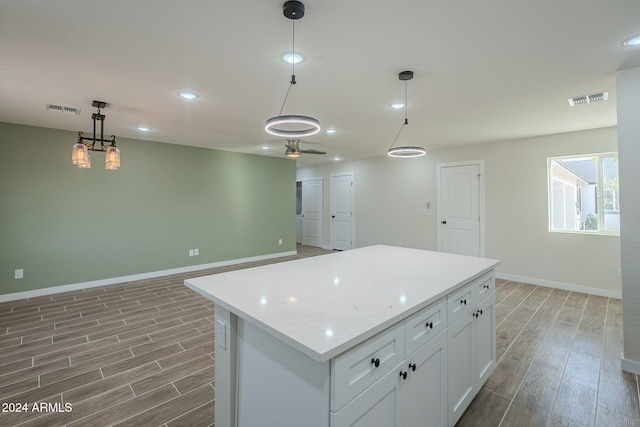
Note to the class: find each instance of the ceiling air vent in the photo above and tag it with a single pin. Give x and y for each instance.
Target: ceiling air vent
(587, 99)
(61, 109)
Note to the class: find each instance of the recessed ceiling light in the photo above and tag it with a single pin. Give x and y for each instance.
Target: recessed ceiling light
(632, 41)
(397, 105)
(336, 159)
(144, 128)
(188, 95)
(292, 58)
(265, 147)
(331, 131)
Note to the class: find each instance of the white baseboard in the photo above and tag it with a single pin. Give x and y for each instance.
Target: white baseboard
(560, 285)
(630, 366)
(135, 277)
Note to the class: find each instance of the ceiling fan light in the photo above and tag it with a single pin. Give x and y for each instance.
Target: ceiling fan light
(310, 125)
(406, 151)
(292, 153)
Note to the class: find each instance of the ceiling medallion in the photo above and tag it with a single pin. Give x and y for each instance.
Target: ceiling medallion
(292, 125)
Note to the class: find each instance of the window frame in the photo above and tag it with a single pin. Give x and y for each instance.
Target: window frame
(579, 196)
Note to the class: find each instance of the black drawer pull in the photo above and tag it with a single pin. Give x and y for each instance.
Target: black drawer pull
(429, 325)
(375, 362)
(463, 301)
(403, 375)
(412, 366)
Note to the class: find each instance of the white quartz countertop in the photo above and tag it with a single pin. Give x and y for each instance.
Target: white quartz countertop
(326, 304)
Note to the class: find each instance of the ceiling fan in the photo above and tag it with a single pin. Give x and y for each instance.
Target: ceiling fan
(293, 149)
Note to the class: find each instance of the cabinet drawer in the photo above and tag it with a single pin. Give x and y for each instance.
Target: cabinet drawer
(355, 370)
(484, 286)
(424, 325)
(460, 302)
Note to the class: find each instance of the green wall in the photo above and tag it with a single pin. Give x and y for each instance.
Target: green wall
(65, 225)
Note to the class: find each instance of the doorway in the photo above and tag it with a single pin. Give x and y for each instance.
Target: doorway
(460, 188)
(342, 218)
(311, 212)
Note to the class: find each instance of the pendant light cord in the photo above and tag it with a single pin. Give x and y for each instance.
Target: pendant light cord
(406, 120)
(293, 64)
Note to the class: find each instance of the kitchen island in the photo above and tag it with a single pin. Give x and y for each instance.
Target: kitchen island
(376, 336)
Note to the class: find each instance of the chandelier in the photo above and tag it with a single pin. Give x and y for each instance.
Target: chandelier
(292, 126)
(405, 151)
(80, 154)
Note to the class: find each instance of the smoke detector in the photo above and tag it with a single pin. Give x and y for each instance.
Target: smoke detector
(587, 99)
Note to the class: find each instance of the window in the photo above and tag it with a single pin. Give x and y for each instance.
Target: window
(584, 194)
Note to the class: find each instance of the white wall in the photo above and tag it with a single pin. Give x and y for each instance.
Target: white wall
(391, 195)
(628, 95)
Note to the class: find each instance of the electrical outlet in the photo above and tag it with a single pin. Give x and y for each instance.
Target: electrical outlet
(190, 252)
(19, 273)
(196, 252)
(280, 242)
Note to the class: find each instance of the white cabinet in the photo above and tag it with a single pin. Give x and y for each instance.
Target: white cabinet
(357, 369)
(424, 393)
(379, 406)
(412, 394)
(407, 388)
(472, 344)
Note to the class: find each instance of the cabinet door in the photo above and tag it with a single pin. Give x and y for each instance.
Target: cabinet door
(485, 327)
(378, 406)
(461, 366)
(424, 392)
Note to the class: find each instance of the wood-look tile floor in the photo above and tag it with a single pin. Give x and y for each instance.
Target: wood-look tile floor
(141, 354)
(559, 356)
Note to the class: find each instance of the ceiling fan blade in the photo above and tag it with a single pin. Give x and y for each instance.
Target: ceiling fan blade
(312, 151)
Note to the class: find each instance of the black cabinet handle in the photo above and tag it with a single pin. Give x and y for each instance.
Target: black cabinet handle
(480, 311)
(429, 325)
(375, 362)
(412, 366)
(463, 301)
(486, 286)
(477, 313)
(403, 375)
(444, 221)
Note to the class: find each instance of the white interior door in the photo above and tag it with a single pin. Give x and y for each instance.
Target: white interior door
(342, 231)
(312, 212)
(459, 208)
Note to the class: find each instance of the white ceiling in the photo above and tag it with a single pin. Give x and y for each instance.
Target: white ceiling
(484, 71)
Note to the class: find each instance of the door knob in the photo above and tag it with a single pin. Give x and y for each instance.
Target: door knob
(444, 221)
